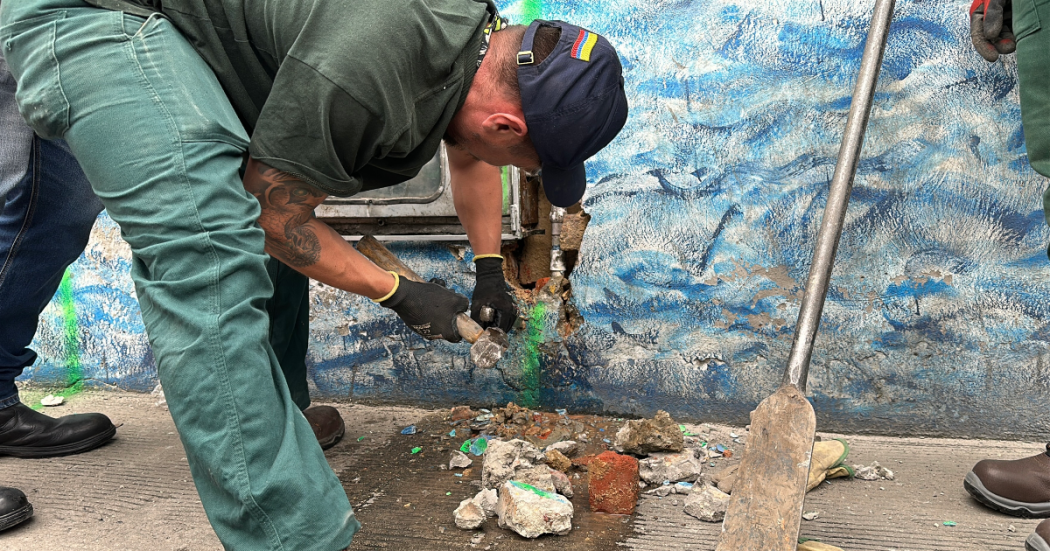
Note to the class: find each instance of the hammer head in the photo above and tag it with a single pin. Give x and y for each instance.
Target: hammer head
(489, 348)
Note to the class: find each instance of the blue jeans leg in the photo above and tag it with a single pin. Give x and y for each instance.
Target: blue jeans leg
(45, 223)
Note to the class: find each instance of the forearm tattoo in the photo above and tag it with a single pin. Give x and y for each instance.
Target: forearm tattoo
(287, 209)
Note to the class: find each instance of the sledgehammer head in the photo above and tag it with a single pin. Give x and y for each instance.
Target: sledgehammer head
(489, 348)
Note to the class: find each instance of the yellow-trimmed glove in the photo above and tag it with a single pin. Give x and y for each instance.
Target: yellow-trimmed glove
(827, 462)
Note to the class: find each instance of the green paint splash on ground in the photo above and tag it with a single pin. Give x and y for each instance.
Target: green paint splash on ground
(530, 396)
(71, 337)
(531, 9)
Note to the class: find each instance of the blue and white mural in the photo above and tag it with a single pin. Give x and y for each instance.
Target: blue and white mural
(705, 212)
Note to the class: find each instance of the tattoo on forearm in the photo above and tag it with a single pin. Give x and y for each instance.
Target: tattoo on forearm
(288, 206)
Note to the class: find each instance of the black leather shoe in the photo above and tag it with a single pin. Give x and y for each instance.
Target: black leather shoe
(27, 433)
(14, 508)
(1019, 487)
(327, 424)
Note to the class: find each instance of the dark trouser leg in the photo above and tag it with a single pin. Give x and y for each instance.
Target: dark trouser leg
(289, 310)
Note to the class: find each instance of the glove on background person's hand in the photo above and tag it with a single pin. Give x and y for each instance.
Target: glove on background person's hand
(991, 28)
(491, 290)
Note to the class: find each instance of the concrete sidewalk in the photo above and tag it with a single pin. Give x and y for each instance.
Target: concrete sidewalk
(136, 493)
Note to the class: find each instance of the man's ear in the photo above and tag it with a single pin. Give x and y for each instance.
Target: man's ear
(499, 123)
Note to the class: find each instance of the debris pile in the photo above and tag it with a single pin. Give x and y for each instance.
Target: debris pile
(533, 463)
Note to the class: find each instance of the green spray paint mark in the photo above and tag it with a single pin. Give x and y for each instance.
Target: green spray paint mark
(71, 334)
(505, 177)
(531, 9)
(530, 396)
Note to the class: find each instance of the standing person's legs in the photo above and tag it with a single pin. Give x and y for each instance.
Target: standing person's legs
(161, 146)
(1021, 487)
(47, 210)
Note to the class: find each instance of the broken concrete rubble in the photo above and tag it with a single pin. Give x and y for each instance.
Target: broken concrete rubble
(567, 448)
(561, 483)
(613, 483)
(646, 436)
(872, 472)
(459, 460)
(558, 461)
(513, 460)
(487, 499)
(707, 503)
(670, 467)
(532, 512)
(469, 515)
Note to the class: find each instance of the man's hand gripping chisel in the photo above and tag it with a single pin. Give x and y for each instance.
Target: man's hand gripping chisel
(487, 345)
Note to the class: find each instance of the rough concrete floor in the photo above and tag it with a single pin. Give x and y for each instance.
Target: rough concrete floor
(136, 494)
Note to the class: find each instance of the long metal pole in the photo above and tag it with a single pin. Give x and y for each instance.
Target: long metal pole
(838, 197)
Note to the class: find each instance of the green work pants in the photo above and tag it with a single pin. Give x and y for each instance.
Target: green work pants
(1033, 74)
(162, 146)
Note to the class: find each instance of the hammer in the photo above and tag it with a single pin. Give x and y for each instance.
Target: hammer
(487, 345)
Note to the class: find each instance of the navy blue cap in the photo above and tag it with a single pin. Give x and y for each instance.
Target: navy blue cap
(574, 105)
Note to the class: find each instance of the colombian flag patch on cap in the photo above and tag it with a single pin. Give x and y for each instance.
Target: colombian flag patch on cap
(585, 42)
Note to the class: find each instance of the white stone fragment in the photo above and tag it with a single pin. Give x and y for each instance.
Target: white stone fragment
(510, 461)
(51, 400)
(459, 460)
(532, 512)
(469, 515)
(567, 448)
(707, 503)
(670, 467)
(873, 472)
(487, 499)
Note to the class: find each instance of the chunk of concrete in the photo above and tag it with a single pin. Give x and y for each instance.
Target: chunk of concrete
(561, 483)
(469, 515)
(532, 512)
(558, 461)
(511, 461)
(646, 436)
(612, 481)
(487, 499)
(459, 460)
(707, 503)
(539, 476)
(567, 448)
(670, 467)
(872, 472)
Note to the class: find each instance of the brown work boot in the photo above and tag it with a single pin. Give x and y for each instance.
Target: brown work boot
(327, 424)
(1020, 487)
(1040, 539)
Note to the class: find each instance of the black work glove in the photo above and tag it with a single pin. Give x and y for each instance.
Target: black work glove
(427, 308)
(491, 290)
(991, 28)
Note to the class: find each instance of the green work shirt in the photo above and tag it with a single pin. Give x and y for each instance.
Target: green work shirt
(343, 94)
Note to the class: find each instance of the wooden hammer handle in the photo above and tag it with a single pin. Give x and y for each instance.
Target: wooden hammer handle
(382, 257)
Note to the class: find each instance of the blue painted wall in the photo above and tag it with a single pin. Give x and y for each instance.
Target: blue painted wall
(705, 211)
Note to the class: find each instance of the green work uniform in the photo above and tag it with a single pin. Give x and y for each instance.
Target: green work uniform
(160, 111)
(1033, 74)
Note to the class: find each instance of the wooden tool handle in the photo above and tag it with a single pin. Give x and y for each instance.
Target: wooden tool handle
(382, 257)
(376, 252)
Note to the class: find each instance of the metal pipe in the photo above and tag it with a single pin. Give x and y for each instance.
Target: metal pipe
(838, 197)
(557, 256)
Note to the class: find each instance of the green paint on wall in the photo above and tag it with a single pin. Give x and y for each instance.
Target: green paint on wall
(71, 334)
(530, 394)
(531, 9)
(504, 174)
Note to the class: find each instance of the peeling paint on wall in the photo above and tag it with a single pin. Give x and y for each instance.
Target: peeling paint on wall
(703, 217)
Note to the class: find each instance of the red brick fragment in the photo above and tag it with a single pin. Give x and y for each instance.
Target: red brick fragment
(460, 413)
(583, 461)
(613, 483)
